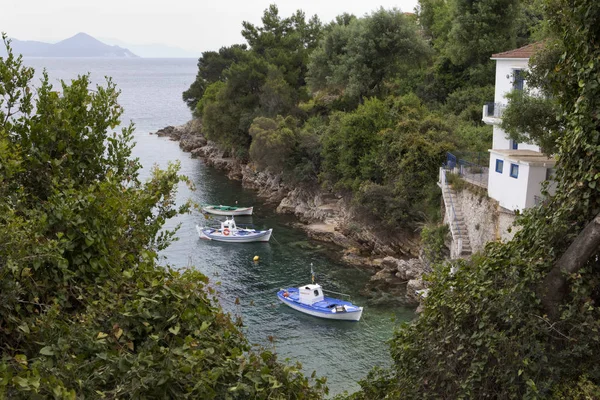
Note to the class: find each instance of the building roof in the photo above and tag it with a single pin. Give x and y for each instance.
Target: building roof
(529, 157)
(522, 52)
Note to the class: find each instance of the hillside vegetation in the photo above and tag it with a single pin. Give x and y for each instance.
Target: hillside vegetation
(366, 106)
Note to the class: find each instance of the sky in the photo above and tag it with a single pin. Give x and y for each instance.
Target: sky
(194, 25)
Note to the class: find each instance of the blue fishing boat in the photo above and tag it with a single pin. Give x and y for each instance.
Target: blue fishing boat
(230, 232)
(310, 300)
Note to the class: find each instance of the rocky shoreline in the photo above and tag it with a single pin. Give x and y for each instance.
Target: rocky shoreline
(393, 259)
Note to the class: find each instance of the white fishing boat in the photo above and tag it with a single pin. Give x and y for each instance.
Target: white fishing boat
(230, 232)
(227, 210)
(310, 300)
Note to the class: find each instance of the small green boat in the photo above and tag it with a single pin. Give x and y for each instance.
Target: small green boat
(227, 210)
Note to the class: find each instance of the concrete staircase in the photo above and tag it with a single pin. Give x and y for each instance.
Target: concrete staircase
(461, 245)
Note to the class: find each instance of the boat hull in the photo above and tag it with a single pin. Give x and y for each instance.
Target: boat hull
(232, 211)
(235, 236)
(319, 312)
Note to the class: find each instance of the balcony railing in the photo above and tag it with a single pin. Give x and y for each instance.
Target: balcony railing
(493, 110)
(472, 172)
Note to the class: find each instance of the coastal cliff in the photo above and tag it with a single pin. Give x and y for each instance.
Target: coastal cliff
(392, 257)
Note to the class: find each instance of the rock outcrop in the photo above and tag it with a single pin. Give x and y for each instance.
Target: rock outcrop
(400, 279)
(325, 216)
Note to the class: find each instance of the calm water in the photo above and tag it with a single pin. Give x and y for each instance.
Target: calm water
(342, 351)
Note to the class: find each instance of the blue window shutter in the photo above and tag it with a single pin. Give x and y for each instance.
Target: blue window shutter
(518, 81)
(499, 165)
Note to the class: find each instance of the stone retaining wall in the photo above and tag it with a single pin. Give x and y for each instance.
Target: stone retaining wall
(486, 221)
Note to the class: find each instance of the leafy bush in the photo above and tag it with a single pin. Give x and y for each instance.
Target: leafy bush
(433, 243)
(468, 102)
(273, 140)
(532, 119)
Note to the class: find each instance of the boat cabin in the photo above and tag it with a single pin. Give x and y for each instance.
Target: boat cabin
(228, 224)
(310, 294)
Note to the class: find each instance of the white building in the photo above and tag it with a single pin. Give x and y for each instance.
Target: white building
(517, 170)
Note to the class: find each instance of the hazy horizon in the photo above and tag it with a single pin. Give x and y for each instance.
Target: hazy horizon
(183, 24)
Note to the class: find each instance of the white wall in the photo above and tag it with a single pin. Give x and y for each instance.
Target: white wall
(511, 193)
(504, 84)
(501, 142)
(504, 77)
(537, 175)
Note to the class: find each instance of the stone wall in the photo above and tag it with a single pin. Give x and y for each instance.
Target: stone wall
(486, 221)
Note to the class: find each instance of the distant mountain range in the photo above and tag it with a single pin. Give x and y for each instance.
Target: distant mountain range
(80, 45)
(154, 50)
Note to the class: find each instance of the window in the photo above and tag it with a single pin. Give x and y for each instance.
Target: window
(316, 293)
(549, 174)
(514, 170)
(518, 79)
(515, 144)
(499, 165)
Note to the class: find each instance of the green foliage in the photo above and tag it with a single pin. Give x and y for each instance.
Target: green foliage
(484, 332)
(474, 139)
(388, 153)
(265, 81)
(467, 102)
(456, 182)
(227, 118)
(433, 240)
(531, 23)
(209, 97)
(276, 95)
(532, 119)
(211, 68)
(272, 141)
(281, 146)
(535, 117)
(85, 310)
(583, 389)
(305, 161)
(480, 28)
(357, 58)
(351, 142)
(284, 42)
(435, 17)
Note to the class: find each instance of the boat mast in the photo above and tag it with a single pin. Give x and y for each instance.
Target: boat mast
(312, 273)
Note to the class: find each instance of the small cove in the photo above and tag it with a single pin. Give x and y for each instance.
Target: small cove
(342, 351)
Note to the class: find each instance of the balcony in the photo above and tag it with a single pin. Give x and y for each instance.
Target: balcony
(492, 113)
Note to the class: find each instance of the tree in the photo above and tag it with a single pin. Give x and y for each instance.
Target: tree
(534, 116)
(228, 117)
(351, 143)
(356, 59)
(388, 154)
(284, 43)
(211, 68)
(532, 119)
(267, 80)
(273, 141)
(85, 310)
(480, 28)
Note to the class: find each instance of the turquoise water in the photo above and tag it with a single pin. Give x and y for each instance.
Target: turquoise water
(342, 351)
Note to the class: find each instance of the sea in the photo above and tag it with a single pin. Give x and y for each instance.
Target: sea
(344, 352)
